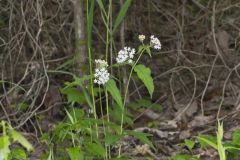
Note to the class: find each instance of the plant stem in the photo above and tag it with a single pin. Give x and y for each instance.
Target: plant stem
(103, 121)
(91, 72)
(125, 96)
(107, 36)
(108, 30)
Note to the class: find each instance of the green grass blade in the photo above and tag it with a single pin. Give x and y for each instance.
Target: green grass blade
(121, 14)
(221, 149)
(100, 3)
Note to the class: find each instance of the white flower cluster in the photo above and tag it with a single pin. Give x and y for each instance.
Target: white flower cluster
(101, 74)
(126, 54)
(141, 37)
(155, 42)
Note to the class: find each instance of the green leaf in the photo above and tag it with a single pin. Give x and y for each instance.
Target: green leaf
(114, 91)
(116, 114)
(4, 141)
(207, 140)
(95, 149)
(73, 95)
(112, 139)
(78, 81)
(90, 24)
(4, 146)
(114, 128)
(16, 136)
(156, 107)
(50, 155)
(236, 137)
(220, 131)
(96, 91)
(220, 147)
(144, 74)
(87, 97)
(121, 14)
(23, 106)
(18, 154)
(145, 103)
(66, 63)
(140, 48)
(77, 113)
(70, 117)
(100, 3)
(229, 148)
(75, 153)
(140, 103)
(189, 144)
(148, 51)
(142, 137)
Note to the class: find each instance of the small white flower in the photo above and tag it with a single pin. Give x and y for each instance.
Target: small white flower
(132, 53)
(101, 76)
(141, 37)
(125, 54)
(155, 42)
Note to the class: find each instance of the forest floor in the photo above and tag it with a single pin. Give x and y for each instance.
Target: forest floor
(196, 74)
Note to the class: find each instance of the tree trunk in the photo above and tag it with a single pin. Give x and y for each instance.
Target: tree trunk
(80, 41)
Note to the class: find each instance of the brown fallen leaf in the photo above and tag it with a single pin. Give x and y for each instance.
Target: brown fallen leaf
(200, 121)
(210, 152)
(172, 123)
(141, 150)
(184, 134)
(150, 114)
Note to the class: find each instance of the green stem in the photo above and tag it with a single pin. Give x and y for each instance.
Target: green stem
(107, 105)
(125, 96)
(107, 36)
(93, 98)
(108, 119)
(106, 55)
(103, 121)
(91, 73)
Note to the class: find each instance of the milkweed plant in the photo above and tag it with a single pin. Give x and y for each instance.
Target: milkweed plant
(102, 127)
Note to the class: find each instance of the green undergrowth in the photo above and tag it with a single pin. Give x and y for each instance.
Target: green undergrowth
(226, 150)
